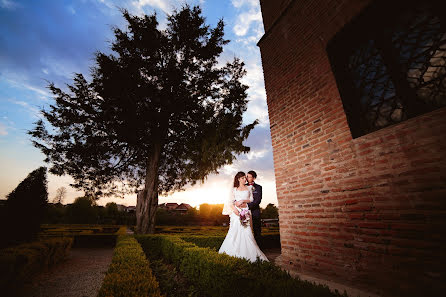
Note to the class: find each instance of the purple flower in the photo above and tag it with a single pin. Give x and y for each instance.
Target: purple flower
(244, 217)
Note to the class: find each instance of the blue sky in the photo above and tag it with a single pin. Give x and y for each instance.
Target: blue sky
(50, 40)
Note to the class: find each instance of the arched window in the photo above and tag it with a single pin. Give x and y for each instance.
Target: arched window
(390, 63)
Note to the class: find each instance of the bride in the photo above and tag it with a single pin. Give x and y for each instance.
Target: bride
(240, 242)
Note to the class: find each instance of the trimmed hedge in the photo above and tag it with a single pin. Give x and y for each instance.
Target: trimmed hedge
(86, 235)
(129, 273)
(122, 230)
(19, 263)
(214, 242)
(217, 274)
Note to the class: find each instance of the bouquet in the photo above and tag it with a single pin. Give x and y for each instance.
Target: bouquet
(244, 217)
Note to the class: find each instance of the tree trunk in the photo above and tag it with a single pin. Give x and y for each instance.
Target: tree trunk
(147, 199)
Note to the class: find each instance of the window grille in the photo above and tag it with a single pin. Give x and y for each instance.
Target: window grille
(390, 63)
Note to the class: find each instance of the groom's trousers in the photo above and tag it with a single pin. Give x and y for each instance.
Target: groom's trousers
(257, 227)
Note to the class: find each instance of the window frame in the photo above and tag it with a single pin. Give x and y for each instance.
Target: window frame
(372, 24)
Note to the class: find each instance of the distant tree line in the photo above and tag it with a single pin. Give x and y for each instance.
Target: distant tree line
(84, 211)
(27, 207)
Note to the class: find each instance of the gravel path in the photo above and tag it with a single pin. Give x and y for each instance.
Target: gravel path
(80, 275)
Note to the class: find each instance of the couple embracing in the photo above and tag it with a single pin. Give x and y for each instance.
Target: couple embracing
(243, 209)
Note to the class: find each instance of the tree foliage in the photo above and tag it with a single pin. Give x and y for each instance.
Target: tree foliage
(25, 207)
(160, 112)
(60, 195)
(270, 212)
(159, 87)
(82, 210)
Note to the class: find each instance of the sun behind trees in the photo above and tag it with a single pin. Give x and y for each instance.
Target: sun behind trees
(159, 113)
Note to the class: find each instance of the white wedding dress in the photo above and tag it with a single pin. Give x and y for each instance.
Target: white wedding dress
(240, 242)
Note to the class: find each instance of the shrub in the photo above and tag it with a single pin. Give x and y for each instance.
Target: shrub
(129, 273)
(221, 275)
(25, 209)
(122, 230)
(18, 264)
(86, 235)
(215, 241)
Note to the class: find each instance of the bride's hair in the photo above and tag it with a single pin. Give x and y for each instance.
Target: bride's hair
(236, 177)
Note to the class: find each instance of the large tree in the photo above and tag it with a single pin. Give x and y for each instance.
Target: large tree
(159, 113)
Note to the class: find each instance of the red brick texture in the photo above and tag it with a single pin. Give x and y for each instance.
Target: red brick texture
(368, 212)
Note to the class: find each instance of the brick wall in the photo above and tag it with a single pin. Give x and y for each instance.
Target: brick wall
(367, 212)
(274, 9)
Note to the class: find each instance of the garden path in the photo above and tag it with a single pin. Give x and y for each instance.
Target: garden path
(80, 275)
(272, 254)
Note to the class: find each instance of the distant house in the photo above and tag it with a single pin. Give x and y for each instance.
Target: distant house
(183, 207)
(171, 206)
(175, 207)
(130, 209)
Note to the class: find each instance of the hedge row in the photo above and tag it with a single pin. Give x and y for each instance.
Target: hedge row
(217, 274)
(129, 273)
(19, 263)
(74, 229)
(214, 242)
(122, 230)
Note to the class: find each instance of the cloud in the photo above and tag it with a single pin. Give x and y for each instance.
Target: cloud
(71, 9)
(35, 48)
(33, 111)
(248, 28)
(241, 3)
(9, 4)
(245, 19)
(254, 155)
(165, 6)
(22, 82)
(257, 107)
(3, 130)
(250, 15)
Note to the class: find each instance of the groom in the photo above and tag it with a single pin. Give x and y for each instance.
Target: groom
(254, 206)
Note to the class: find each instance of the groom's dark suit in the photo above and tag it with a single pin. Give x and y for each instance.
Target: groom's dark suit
(254, 206)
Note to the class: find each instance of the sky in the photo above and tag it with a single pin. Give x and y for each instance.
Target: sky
(51, 40)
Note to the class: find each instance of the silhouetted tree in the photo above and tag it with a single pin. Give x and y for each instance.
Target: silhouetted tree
(26, 206)
(270, 212)
(160, 113)
(82, 210)
(112, 209)
(113, 214)
(60, 195)
(56, 214)
(205, 210)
